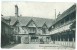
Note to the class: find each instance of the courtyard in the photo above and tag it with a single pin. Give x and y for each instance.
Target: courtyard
(36, 31)
(39, 46)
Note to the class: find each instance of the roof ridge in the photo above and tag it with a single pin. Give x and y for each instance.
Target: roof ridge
(27, 17)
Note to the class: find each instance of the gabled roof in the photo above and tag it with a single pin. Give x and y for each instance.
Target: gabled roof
(23, 21)
(28, 25)
(44, 25)
(65, 13)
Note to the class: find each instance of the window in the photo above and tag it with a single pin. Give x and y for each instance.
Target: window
(32, 30)
(44, 30)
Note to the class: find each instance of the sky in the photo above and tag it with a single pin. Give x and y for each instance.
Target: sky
(35, 9)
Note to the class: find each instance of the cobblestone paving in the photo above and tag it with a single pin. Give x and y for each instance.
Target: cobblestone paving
(41, 46)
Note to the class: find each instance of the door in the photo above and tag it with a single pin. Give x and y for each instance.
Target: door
(19, 39)
(24, 40)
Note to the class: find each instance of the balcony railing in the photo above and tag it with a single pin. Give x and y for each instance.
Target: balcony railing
(63, 27)
(66, 23)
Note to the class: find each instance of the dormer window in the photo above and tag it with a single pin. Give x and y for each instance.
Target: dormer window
(44, 28)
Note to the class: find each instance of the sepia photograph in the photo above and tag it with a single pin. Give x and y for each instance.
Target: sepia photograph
(38, 25)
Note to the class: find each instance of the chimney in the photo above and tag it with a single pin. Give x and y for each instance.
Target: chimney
(58, 14)
(16, 10)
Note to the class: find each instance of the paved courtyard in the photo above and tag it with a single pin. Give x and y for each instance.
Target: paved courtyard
(41, 46)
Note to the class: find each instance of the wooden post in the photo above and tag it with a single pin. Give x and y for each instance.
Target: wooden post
(73, 42)
(29, 39)
(63, 41)
(60, 39)
(57, 39)
(68, 41)
(16, 39)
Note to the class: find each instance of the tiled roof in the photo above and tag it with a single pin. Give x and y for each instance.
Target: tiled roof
(23, 21)
(65, 13)
(4, 21)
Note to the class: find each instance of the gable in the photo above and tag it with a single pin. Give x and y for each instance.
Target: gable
(31, 24)
(44, 26)
(24, 21)
(16, 23)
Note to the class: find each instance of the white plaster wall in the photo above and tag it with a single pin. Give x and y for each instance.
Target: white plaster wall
(23, 30)
(39, 31)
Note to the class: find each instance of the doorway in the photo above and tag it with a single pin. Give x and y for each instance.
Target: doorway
(19, 39)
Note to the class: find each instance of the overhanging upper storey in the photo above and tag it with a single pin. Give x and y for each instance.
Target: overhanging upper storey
(64, 21)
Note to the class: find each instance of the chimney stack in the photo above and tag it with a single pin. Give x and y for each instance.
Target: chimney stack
(16, 10)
